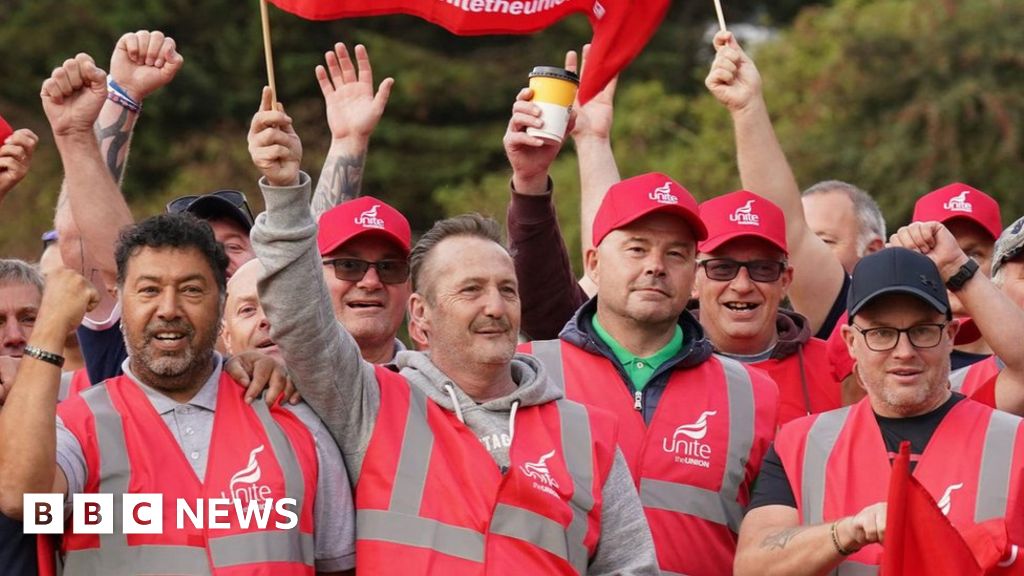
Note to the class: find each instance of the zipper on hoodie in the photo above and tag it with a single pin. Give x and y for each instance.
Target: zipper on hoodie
(638, 401)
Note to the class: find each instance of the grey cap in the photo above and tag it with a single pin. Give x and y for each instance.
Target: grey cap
(1009, 245)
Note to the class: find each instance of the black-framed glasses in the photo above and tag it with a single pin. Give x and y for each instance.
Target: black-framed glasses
(235, 197)
(885, 338)
(353, 269)
(724, 269)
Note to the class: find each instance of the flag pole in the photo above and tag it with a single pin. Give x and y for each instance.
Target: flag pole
(718, 10)
(268, 54)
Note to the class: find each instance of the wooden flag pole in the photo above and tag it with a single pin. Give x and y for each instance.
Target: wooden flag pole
(718, 10)
(268, 53)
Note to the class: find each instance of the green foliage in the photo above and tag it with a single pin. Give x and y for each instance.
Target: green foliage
(898, 96)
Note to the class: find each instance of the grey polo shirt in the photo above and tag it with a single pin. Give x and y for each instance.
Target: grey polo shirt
(192, 426)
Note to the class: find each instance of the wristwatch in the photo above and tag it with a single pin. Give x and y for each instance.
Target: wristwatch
(965, 273)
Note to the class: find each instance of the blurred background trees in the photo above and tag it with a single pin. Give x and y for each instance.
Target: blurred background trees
(897, 96)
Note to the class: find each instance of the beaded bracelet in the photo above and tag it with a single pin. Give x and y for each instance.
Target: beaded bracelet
(835, 541)
(48, 357)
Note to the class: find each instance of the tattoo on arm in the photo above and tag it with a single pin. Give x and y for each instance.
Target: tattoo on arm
(340, 181)
(778, 540)
(119, 137)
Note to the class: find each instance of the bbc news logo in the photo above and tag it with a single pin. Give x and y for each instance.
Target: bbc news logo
(144, 513)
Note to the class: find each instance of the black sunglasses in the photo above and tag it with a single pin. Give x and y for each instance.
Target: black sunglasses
(724, 269)
(234, 197)
(353, 269)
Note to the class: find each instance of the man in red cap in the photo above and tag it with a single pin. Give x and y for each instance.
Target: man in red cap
(974, 219)
(742, 280)
(365, 246)
(693, 426)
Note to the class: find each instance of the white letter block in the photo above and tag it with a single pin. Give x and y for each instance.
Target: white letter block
(142, 513)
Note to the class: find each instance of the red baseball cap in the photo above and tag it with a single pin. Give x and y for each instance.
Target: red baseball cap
(742, 214)
(364, 215)
(958, 200)
(633, 198)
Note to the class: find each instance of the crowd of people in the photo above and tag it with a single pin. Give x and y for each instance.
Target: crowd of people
(722, 391)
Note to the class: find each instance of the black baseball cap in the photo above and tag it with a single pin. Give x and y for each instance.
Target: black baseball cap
(896, 271)
(226, 203)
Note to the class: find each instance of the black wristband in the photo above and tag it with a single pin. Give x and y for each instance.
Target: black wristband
(965, 273)
(48, 357)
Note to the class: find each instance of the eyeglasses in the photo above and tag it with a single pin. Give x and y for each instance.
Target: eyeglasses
(885, 338)
(353, 269)
(235, 197)
(723, 269)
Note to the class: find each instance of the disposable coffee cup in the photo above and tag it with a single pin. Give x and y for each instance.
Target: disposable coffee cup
(554, 90)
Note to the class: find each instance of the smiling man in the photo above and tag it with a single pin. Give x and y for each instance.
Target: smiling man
(819, 503)
(743, 278)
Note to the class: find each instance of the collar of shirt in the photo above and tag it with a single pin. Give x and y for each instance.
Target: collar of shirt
(639, 369)
(206, 398)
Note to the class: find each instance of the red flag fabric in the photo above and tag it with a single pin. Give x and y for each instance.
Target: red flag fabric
(919, 539)
(5, 130)
(621, 27)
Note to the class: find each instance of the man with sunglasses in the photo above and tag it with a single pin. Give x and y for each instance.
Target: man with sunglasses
(228, 214)
(364, 246)
(819, 502)
(741, 282)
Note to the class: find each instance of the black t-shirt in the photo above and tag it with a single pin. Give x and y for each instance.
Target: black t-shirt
(958, 359)
(103, 351)
(837, 310)
(772, 486)
(17, 549)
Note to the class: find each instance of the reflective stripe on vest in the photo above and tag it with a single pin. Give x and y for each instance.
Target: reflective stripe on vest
(116, 556)
(401, 524)
(993, 474)
(721, 507)
(957, 377)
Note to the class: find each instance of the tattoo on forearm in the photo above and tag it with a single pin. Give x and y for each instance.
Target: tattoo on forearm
(119, 137)
(340, 181)
(778, 540)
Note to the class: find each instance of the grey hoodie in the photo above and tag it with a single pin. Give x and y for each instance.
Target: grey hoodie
(343, 389)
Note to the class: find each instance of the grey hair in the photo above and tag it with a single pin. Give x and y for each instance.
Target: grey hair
(470, 225)
(14, 271)
(869, 216)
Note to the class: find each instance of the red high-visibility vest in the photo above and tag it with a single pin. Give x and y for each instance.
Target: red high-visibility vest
(969, 379)
(806, 382)
(72, 384)
(255, 453)
(431, 500)
(695, 463)
(973, 466)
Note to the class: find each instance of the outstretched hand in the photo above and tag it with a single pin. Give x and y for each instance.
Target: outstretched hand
(733, 80)
(144, 61)
(274, 146)
(73, 96)
(353, 110)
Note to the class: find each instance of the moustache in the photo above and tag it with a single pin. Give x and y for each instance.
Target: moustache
(180, 326)
(491, 324)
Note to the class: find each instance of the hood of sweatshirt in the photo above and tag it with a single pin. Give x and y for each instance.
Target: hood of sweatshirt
(791, 329)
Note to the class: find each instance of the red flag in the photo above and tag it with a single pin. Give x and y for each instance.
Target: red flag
(919, 539)
(5, 130)
(621, 27)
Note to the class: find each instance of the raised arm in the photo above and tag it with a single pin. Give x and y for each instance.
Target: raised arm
(592, 135)
(28, 450)
(323, 358)
(734, 80)
(547, 287)
(772, 541)
(15, 158)
(999, 319)
(89, 216)
(353, 111)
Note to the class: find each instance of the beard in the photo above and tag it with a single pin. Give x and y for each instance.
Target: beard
(171, 371)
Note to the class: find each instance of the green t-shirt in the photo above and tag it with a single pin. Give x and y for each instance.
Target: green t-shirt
(640, 370)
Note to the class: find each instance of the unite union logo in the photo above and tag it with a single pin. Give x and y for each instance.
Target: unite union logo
(686, 444)
(541, 474)
(369, 218)
(946, 502)
(959, 203)
(243, 485)
(663, 194)
(744, 215)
